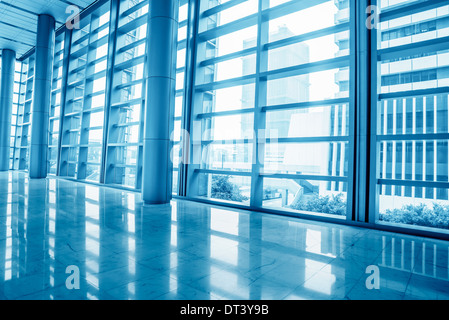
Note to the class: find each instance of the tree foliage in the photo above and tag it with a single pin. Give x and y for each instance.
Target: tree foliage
(328, 204)
(224, 189)
(420, 215)
(436, 216)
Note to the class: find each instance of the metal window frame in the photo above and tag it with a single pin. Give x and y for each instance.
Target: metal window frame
(260, 78)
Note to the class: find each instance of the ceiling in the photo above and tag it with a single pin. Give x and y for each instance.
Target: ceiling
(18, 20)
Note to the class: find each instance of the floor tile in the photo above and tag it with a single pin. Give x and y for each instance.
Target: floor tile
(123, 249)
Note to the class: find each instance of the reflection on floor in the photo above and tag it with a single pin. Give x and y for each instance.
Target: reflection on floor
(124, 250)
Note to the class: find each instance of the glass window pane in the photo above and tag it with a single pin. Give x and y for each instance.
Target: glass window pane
(265, 98)
(82, 134)
(306, 196)
(412, 118)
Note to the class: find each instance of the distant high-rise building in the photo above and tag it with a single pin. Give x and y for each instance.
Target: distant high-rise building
(421, 160)
(410, 159)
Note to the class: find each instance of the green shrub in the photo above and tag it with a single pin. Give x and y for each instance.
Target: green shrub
(329, 204)
(223, 189)
(421, 215)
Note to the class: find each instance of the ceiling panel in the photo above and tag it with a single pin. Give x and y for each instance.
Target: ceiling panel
(18, 20)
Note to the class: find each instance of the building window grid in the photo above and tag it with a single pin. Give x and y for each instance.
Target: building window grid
(412, 121)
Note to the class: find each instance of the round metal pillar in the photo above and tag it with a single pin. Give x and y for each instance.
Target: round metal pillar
(45, 43)
(160, 93)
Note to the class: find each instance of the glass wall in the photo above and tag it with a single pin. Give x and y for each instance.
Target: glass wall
(265, 105)
(82, 136)
(55, 106)
(177, 135)
(412, 114)
(23, 120)
(271, 107)
(15, 109)
(123, 163)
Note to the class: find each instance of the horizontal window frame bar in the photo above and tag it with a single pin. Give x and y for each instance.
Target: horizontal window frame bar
(124, 144)
(133, 9)
(333, 63)
(307, 36)
(128, 103)
(96, 93)
(414, 183)
(288, 8)
(76, 83)
(129, 63)
(128, 124)
(303, 177)
(433, 45)
(78, 69)
(93, 110)
(129, 84)
(56, 90)
(283, 140)
(78, 53)
(81, 39)
(231, 27)
(234, 82)
(224, 113)
(95, 44)
(182, 44)
(99, 29)
(413, 93)
(229, 56)
(131, 45)
(57, 63)
(407, 10)
(132, 25)
(413, 137)
(123, 165)
(88, 145)
(183, 23)
(93, 128)
(73, 114)
(220, 7)
(224, 141)
(323, 139)
(89, 77)
(307, 104)
(224, 172)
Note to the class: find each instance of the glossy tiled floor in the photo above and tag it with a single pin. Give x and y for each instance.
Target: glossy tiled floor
(124, 250)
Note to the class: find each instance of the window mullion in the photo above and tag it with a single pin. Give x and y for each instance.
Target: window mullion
(259, 115)
(113, 25)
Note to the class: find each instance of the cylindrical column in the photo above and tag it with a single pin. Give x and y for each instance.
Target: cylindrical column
(45, 44)
(6, 100)
(160, 97)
